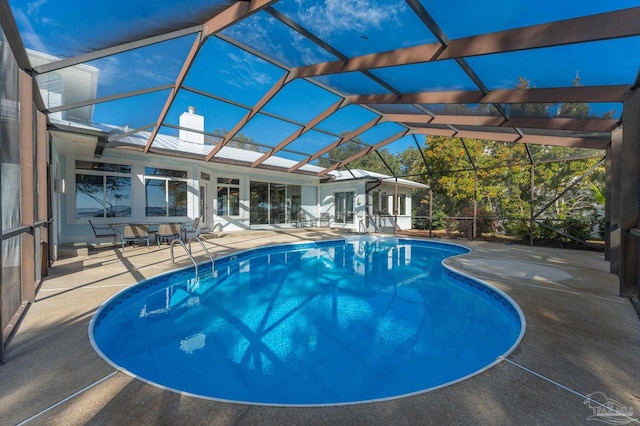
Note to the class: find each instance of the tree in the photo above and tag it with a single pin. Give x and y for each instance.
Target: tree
(370, 161)
(528, 109)
(240, 140)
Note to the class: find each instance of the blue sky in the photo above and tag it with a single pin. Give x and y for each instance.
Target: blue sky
(353, 27)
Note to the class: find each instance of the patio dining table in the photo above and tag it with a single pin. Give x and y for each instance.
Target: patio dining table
(152, 228)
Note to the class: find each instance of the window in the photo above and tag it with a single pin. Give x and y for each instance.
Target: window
(344, 207)
(165, 192)
(258, 203)
(228, 197)
(384, 204)
(273, 203)
(102, 190)
(402, 204)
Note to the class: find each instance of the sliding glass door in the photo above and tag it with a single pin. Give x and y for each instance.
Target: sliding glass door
(344, 207)
(273, 203)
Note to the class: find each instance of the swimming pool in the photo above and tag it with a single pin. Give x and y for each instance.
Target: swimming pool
(323, 323)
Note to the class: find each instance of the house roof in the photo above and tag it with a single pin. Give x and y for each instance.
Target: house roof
(300, 79)
(170, 144)
(350, 174)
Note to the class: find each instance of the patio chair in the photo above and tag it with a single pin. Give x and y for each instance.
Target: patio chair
(300, 220)
(191, 228)
(325, 220)
(167, 232)
(133, 233)
(104, 231)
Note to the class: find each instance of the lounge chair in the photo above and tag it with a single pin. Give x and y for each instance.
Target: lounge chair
(167, 232)
(133, 233)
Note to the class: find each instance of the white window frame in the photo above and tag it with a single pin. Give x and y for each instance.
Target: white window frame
(105, 174)
(166, 180)
(228, 186)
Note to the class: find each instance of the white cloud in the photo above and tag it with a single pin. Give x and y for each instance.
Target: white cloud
(29, 35)
(335, 16)
(242, 73)
(33, 7)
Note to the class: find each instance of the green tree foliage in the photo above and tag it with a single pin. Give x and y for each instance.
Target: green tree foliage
(370, 161)
(498, 174)
(240, 140)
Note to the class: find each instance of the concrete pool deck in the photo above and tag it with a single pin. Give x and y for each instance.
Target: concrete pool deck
(581, 339)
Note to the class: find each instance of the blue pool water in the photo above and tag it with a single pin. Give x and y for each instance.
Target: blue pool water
(333, 322)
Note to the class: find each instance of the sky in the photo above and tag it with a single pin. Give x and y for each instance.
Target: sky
(350, 27)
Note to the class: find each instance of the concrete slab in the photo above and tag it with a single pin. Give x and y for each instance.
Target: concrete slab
(581, 338)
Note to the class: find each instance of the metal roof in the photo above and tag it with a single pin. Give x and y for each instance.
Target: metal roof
(297, 79)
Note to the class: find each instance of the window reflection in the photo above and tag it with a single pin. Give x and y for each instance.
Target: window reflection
(100, 192)
(155, 195)
(259, 203)
(273, 203)
(177, 198)
(344, 207)
(165, 195)
(228, 197)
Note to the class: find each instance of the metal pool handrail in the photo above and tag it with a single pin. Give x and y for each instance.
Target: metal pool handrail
(196, 238)
(173, 260)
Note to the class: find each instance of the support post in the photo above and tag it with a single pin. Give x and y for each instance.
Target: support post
(474, 229)
(607, 204)
(630, 196)
(430, 211)
(395, 207)
(532, 219)
(614, 203)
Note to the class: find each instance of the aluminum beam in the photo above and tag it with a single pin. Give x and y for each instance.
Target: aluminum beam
(310, 125)
(569, 141)
(249, 115)
(365, 152)
(553, 123)
(234, 13)
(114, 50)
(579, 94)
(617, 24)
(335, 144)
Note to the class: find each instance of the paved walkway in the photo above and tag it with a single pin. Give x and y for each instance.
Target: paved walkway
(581, 338)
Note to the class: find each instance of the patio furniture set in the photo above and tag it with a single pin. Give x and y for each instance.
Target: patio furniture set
(131, 233)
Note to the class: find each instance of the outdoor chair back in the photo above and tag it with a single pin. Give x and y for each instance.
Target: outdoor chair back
(167, 232)
(103, 231)
(133, 233)
(191, 229)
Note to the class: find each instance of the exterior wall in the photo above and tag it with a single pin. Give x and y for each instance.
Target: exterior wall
(71, 229)
(308, 186)
(310, 206)
(388, 222)
(327, 206)
(317, 200)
